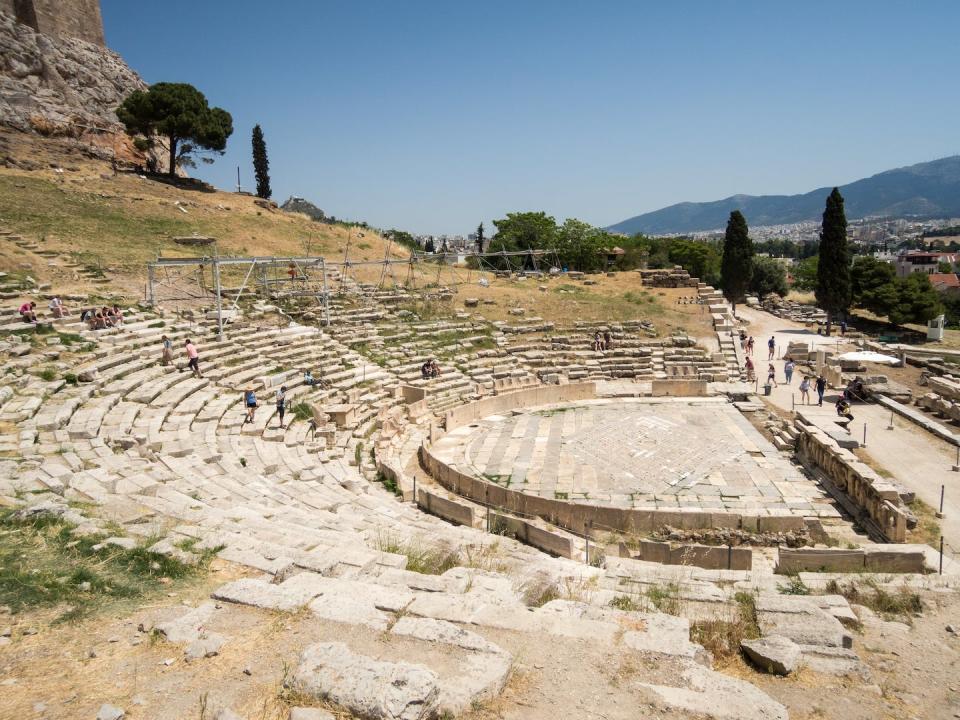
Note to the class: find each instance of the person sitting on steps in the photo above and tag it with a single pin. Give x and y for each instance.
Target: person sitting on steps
(843, 409)
(28, 312)
(308, 378)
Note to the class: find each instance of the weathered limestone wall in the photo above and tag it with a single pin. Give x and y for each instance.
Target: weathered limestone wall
(79, 19)
(879, 558)
(708, 557)
(675, 277)
(531, 397)
(874, 497)
(679, 388)
(449, 510)
(54, 84)
(534, 536)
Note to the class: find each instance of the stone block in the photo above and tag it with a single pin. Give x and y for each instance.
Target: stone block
(451, 510)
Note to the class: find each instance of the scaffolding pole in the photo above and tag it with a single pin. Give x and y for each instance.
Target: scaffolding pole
(216, 283)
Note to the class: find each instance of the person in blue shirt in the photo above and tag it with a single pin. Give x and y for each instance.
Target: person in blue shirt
(250, 402)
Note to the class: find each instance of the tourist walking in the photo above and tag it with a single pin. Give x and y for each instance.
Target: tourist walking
(281, 403)
(751, 370)
(821, 388)
(597, 342)
(193, 358)
(606, 340)
(772, 375)
(750, 345)
(771, 346)
(788, 370)
(250, 403)
(166, 356)
(805, 390)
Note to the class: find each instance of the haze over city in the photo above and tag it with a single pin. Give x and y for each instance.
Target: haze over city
(431, 117)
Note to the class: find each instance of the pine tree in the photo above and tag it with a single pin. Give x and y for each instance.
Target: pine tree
(736, 268)
(261, 165)
(834, 290)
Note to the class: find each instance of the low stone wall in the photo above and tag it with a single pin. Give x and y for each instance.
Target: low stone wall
(562, 513)
(679, 388)
(449, 510)
(531, 397)
(532, 535)
(675, 277)
(892, 559)
(873, 498)
(709, 557)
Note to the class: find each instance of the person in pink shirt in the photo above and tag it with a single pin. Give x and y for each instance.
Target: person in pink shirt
(193, 358)
(28, 311)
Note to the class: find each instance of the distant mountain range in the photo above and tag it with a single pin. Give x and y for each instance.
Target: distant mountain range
(925, 190)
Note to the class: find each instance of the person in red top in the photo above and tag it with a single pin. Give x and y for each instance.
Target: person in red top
(193, 358)
(28, 311)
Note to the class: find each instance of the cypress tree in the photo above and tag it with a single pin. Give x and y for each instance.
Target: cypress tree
(736, 268)
(261, 165)
(480, 238)
(834, 290)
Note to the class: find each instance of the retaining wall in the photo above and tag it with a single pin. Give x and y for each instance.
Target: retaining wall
(710, 557)
(530, 397)
(871, 497)
(530, 534)
(449, 510)
(892, 559)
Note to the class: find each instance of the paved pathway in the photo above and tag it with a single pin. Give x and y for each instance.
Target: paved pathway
(916, 459)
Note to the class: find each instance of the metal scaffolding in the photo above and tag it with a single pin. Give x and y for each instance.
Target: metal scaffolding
(179, 279)
(286, 276)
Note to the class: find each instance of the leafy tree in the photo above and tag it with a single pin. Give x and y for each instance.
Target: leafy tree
(737, 263)
(833, 291)
(404, 238)
(916, 300)
(180, 113)
(872, 284)
(480, 238)
(579, 245)
(526, 231)
(805, 273)
(768, 276)
(700, 259)
(261, 166)
(944, 267)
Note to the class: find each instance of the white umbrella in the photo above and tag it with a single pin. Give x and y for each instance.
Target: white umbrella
(869, 356)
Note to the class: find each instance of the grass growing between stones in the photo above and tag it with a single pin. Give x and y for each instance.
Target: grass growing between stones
(665, 598)
(301, 411)
(900, 604)
(42, 565)
(927, 530)
(722, 637)
(420, 559)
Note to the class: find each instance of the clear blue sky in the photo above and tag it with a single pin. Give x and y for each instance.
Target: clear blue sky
(433, 116)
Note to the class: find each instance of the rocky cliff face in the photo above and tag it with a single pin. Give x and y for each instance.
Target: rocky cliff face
(55, 85)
